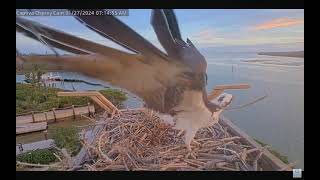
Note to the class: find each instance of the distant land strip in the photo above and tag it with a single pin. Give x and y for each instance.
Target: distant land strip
(287, 54)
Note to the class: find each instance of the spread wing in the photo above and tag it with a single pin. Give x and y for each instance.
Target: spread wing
(147, 74)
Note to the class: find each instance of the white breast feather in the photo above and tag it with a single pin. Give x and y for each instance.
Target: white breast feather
(195, 114)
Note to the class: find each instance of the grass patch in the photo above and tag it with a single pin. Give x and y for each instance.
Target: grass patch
(67, 138)
(42, 156)
(283, 158)
(39, 98)
(35, 98)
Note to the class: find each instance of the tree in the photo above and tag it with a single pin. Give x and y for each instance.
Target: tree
(34, 75)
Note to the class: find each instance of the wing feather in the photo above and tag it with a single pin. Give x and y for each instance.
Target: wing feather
(65, 41)
(112, 28)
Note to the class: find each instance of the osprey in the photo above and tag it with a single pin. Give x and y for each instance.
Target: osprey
(172, 83)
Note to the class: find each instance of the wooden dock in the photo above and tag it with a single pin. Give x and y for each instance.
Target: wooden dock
(31, 127)
(54, 115)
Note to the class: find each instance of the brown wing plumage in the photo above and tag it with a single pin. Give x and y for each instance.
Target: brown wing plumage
(147, 74)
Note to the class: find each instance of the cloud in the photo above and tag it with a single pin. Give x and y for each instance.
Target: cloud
(278, 22)
(207, 36)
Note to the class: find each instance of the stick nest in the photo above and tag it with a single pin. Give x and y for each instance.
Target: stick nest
(137, 140)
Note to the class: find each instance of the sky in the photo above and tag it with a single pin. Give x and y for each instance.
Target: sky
(224, 30)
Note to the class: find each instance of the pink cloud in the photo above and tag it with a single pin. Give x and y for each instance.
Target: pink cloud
(279, 22)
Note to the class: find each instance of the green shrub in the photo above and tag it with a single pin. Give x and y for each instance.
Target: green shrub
(67, 138)
(34, 75)
(42, 156)
(39, 98)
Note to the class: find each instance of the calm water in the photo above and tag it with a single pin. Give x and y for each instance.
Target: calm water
(277, 120)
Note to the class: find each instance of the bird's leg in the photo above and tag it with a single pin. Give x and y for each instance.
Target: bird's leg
(189, 135)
